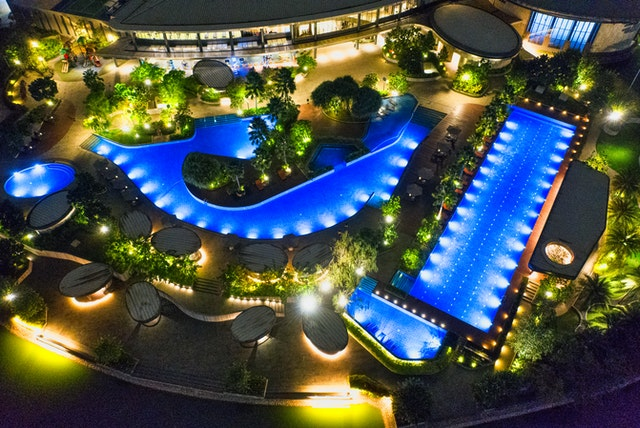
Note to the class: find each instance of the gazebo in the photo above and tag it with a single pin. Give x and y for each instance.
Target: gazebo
(326, 331)
(87, 283)
(253, 326)
(143, 303)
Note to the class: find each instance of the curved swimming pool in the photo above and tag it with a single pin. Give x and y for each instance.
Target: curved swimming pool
(39, 180)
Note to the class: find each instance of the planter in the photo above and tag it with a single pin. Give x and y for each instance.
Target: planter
(470, 172)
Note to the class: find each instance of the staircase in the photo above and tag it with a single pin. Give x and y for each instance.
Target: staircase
(427, 117)
(530, 292)
(209, 286)
(91, 143)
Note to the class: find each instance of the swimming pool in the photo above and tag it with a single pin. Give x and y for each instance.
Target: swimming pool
(402, 333)
(39, 180)
(470, 268)
(319, 203)
(330, 155)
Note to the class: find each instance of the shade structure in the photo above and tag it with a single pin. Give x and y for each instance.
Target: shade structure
(326, 331)
(176, 241)
(135, 224)
(143, 302)
(312, 256)
(253, 324)
(261, 257)
(213, 73)
(88, 282)
(425, 173)
(50, 212)
(414, 190)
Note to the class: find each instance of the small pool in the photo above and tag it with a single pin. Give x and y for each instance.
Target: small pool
(330, 155)
(39, 180)
(402, 333)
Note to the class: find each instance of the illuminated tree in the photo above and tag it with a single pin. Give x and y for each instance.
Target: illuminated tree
(255, 86)
(366, 103)
(301, 137)
(623, 211)
(284, 82)
(236, 91)
(92, 81)
(370, 80)
(306, 62)
(398, 82)
(147, 73)
(352, 257)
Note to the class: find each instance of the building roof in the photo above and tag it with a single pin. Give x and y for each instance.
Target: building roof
(600, 10)
(212, 15)
(576, 221)
(176, 241)
(467, 28)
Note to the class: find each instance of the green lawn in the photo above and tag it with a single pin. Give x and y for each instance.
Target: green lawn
(623, 150)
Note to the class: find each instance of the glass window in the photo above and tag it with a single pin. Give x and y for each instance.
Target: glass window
(560, 32)
(539, 26)
(583, 32)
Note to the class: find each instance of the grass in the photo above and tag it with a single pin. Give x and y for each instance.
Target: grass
(621, 151)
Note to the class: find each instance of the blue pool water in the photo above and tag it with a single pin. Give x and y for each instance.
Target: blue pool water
(470, 268)
(39, 180)
(315, 205)
(402, 333)
(330, 155)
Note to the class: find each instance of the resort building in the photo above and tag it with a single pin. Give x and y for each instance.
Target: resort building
(200, 28)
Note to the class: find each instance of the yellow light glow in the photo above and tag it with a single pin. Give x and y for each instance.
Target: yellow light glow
(93, 303)
(34, 43)
(321, 354)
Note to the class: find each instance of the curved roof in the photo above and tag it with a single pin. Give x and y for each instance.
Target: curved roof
(212, 15)
(176, 241)
(253, 324)
(326, 330)
(86, 280)
(213, 73)
(475, 31)
(601, 10)
(260, 257)
(143, 302)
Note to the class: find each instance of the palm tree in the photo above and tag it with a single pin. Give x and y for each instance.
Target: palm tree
(596, 290)
(622, 242)
(284, 82)
(258, 131)
(627, 183)
(623, 211)
(255, 86)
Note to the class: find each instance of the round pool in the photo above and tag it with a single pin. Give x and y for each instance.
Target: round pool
(39, 180)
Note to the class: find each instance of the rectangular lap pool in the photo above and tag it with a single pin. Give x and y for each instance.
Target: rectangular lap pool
(470, 268)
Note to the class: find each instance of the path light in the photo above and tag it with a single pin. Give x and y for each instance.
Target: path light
(147, 82)
(615, 115)
(360, 271)
(389, 219)
(104, 229)
(465, 77)
(9, 297)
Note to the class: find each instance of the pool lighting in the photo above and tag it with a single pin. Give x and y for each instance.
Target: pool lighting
(308, 303)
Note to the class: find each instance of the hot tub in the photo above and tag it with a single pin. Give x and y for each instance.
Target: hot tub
(39, 180)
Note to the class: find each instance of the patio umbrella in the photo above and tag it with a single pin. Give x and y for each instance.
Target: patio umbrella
(414, 190)
(425, 173)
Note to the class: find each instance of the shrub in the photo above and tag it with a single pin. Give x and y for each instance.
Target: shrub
(205, 171)
(28, 305)
(109, 351)
(241, 380)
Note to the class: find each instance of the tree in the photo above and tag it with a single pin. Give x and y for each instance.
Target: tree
(85, 198)
(258, 131)
(28, 305)
(412, 402)
(596, 290)
(284, 82)
(262, 160)
(13, 258)
(43, 88)
(172, 90)
(627, 183)
(398, 82)
(323, 94)
(345, 88)
(11, 218)
(205, 171)
(499, 389)
(370, 80)
(411, 61)
(146, 73)
(352, 257)
(283, 111)
(97, 110)
(255, 86)
(366, 103)
(306, 62)
(301, 137)
(391, 209)
(623, 211)
(621, 242)
(535, 335)
(93, 81)
(236, 91)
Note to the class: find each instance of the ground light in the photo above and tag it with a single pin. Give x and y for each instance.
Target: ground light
(308, 303)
